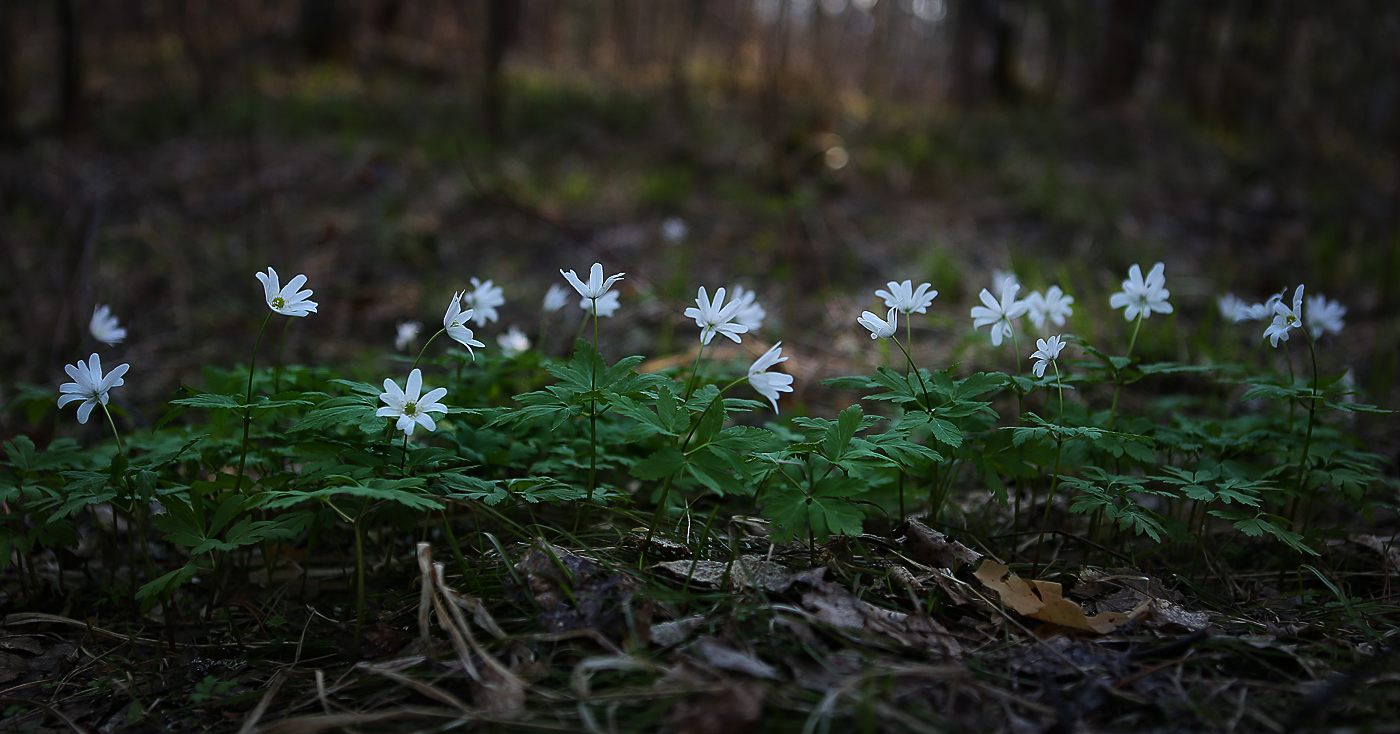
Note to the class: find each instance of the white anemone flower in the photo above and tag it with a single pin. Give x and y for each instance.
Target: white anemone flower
(596, 285)
(1143, 295)
(405, 334)
(483, 299)
(455, 322)
(1285, 318)
(513, 342)
(1052, 305)
(555, 298)
(89, 385)
(880, 328)
(1046, 351)
(906, 298)
(288, 301)
(999, 313)
(410, 407)
(714, 316)
(1000, 278)
(104, 327)
(769, 384)
(1265, 311)
(1234, 309)
(1324, 315)
(751, 314)
(602, 306)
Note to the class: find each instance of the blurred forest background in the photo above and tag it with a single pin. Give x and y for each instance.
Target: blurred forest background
(157, 153)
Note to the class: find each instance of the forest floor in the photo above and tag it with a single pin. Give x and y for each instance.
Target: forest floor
(543, 623)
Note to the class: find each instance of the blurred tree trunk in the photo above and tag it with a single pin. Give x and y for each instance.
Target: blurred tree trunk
(502, 28)
(8, 101)
(1127, 30)
(70, 77)
(324, 29)
(979, 22)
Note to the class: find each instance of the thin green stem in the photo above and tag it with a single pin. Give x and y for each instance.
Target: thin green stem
(928, 401)
(424, 350)
(115, 433)
(359, 577)
(1307, 438)
(1118, 374)
(1054, 475)
(593, 410)
(248, 402)
(277, 367)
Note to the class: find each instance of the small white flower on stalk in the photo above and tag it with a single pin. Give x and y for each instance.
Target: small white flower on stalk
(1000, 278)
(714, 316)
(1324, 315)
(555, 298)
(907, 299)
(483, 299)
(596, 285)
(1053, 305)
(104, 327)
(1234, 309)
(999, 313)
(1143, 295)
(410, 407)
(604, 305)
(288, 301)
(1265, 311)
(89, 385)
(880, 328)
(455, 322)
(674, 229)
(406, 334)
(1285, 318)
(750, 314)
(513, 342)
(769, 384)
(1046, 351)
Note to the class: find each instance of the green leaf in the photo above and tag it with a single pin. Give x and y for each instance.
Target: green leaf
(349, 410)
(164, 585)
(660, 464)
(211, 401)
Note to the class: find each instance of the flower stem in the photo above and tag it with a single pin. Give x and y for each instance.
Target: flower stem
(115, 433)
(424, 350)
(1307, 442)
(593, 409)
(1118, 374)
(1054, 476)
(248, 402)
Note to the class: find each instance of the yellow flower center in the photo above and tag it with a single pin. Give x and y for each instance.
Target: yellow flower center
(410, 409)
(278, 302)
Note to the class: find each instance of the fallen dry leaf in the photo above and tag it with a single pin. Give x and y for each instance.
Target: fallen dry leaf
(1042, 600)
(934, 549)
(833, 604)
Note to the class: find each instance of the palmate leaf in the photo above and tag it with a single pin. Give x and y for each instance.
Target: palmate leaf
(828, 511)
(380, 490)
(348, 410)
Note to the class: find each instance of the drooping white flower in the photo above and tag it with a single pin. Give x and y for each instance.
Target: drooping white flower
(1285, 318)
(1046, 351)
(483, 299)
(288, 301)
(406, 333)
(714, 316)
(513, 342)
(907, 299)
(1143, 295)
(104, 327)
(455, 322)
(880, 328)
(1234, 309)
(1052, 305)
(555, 298)
(408, 406)
(999, 313)
(769, 384)
(674, 229)
(596, 285)
(750, 314)
(604, 305)
(89, 385)
(1324, 315)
